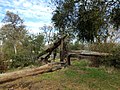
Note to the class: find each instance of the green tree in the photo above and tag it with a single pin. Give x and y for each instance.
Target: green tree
(50, 34)
(37, 43)
(115, 17)
(13, 31)
(76, 46)
(13, 34)
(89, 20)
(32, 46)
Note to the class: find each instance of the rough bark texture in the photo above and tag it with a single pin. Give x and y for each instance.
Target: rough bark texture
(7, 77)
(53, 47)
(85, 54)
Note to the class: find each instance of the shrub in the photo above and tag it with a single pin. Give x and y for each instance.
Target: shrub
(102, 47)
(3, 63)
(76, 46)
(114, 59)
(21, 61)
(112, 48)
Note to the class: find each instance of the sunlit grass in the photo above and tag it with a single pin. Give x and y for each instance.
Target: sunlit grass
(87, 77)
(78, 76)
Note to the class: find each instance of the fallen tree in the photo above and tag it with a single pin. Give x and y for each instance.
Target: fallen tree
(88, 53)
(53, 47)
(85, 53)
(8, 77)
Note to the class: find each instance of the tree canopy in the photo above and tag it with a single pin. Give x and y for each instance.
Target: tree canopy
(17, 45)
(13, 30)
(89, 20)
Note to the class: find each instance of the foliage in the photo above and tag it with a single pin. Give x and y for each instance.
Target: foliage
(37, 43)
(61, 17)
(3, 63)
(32, 46)
(21, 61)
(102, 47)
(79, 76)
(89, 20)
(114, 59)
(13, 32)
(50, 34)
(76, 46)
(18, 46)
(113, 49)
(115, 16)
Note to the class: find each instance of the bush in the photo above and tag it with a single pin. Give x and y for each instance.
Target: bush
(3, 63)
(114, 59)
(112, 48)
(21, 61)
(102, 47)
(76, 46)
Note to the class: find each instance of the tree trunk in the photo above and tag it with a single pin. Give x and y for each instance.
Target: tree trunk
(68, 60)
(53, 47)
(15, 49)
(62, 51)
(8, 77)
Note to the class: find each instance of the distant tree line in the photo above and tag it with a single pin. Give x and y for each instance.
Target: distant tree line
(18, 47)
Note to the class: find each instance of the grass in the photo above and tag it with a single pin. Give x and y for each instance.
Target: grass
(79, 76)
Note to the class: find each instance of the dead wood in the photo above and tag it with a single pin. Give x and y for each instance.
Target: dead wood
(87, 53)
(53, 47)
(7, 77)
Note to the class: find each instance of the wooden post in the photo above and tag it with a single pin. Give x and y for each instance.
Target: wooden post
(68, 59)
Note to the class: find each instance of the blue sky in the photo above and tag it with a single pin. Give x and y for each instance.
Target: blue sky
(35, 13)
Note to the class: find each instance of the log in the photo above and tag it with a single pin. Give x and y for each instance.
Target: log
(87, 53)
(84, 53)
(53, 47)
(8, 77)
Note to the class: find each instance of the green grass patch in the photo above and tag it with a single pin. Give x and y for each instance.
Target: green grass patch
(78, 76)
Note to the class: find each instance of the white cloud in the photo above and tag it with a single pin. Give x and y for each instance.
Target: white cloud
(29, 10)
(18, 2)
(27, 4)
(5, 3)
(34, 26)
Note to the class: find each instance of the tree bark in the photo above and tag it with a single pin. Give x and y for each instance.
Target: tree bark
(53, 47)
(8, 77)
(62, 51)
(15, 49)
(68, 60)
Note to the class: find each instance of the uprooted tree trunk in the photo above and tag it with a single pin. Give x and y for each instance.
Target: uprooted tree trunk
(86, 54)
(52, 48)
(8, 77)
